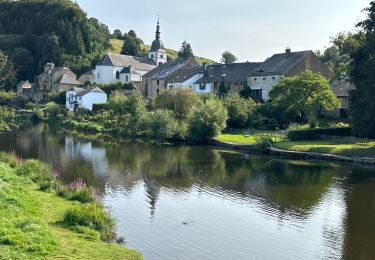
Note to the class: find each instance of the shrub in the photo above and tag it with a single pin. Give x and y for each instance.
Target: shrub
(272, 124)
(93, 216)
(86, 233)
(314, 134)
(38, 116)
(160, 124)
(207, 121)
(52, 109)
(180, 101)
(98, 107)
(78, 191)
(239, 110)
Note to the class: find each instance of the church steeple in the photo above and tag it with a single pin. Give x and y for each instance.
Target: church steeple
(157, 35)
(157, 52)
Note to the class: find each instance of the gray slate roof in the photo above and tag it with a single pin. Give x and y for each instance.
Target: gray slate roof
(166, 69)
(24, 84)
(279, 64)
(127, 70)
(229, 73)
(138, 63)
(157, 45)
(85, 91)
(68, 80)
(186, 74)
(90, 72)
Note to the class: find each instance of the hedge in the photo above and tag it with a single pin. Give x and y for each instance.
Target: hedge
(314, 134)
(97, 107)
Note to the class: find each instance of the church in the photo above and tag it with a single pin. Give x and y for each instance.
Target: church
(114, 68)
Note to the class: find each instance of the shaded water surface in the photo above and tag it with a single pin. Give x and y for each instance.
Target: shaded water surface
(176, 202)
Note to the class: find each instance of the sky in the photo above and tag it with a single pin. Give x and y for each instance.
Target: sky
(253, 30)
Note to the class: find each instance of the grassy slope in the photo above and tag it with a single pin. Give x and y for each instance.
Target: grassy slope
(241, 138)
(30, 229)
(358, 149)
(116, 46)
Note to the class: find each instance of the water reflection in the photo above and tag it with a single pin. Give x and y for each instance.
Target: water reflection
(297, 208)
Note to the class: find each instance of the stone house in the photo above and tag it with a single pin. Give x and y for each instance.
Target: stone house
(187, 79)
(24, 89)
(157, 79)
(232, 76)
(53, 79)
(342, 90)
(262, 79)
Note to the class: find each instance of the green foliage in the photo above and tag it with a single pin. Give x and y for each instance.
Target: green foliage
(272, 124)
(57, 31)
(228, 58)
(223, 89)
(87, 233)
(53, 109)
(314, 134)
(93, 216)
(159, 124)
(362, 106)
(185, 51)
(240, 110)
(8, 118)
(207, 121)
(180, 101)
(7, 72)
(58, 97)
(306, 93)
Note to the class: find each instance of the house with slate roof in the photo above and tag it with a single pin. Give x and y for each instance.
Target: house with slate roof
(187, 79)
(266, 75)
(231, 76)
(157, 79)
(130, 69)
(24, 89)
(87, 77)
(84, 98)
(53, 79)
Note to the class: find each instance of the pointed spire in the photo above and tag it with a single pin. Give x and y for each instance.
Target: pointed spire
(157, 36)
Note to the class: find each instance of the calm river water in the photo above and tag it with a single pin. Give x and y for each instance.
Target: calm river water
(176, 202)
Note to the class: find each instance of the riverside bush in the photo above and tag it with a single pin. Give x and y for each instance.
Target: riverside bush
(207, 121)
(159, 124)
(93, 216)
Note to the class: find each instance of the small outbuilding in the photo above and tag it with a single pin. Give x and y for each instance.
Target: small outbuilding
(84, 98)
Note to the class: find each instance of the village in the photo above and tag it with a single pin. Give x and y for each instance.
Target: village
(214, 130)
(149, 76)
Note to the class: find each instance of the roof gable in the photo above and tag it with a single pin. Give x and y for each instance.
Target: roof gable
(169, 68)
(118, 60)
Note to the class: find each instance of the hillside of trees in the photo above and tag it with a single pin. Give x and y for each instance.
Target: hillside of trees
(33, 33)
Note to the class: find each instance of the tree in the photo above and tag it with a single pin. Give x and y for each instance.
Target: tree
(160, 124)
(240, 110)
(180, 101)
(132, 34)
(185, 51)
(338, 56)
(207, 121)
(307, 93)
(362, 74)
(117, 34)
(130, 47)
(7, 72)
(228, 58)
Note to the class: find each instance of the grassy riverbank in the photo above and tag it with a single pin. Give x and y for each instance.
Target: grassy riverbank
(337, 147)
(251, 138)
(36, 224)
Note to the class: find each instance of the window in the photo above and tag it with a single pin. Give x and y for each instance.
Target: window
(98, 75)
(162, 56)
(215, 85)
(202, 86)
(127, 78)
(157, 91)
(157, 82)
(170, 86)
(255, 79)
(256, 93)
(117, 75)
(160, 63)
(273, 78)
(152, 56)
(264, 78)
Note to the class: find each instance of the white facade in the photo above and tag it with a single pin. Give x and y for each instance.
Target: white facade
(85, 100)
(159, 57)
(263, 83)
(112, 74)
(203, 88)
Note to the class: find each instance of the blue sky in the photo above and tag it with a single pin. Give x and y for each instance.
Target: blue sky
(251, 29)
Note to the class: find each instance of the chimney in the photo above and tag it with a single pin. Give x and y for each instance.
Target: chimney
(205, 70)
(288, 52)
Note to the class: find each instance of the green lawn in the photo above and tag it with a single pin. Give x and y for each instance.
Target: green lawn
(30, 225)
(241, 138)
(358, 149)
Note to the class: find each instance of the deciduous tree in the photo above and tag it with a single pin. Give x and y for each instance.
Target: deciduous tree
(228, 58)
(185, 51)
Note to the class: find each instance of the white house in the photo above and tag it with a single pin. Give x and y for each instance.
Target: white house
(124, 68)
(84, 98)
(187, 79)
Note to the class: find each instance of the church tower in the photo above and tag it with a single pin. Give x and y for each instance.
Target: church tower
(157, 52)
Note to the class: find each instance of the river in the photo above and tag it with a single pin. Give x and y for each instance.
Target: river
(180, 202)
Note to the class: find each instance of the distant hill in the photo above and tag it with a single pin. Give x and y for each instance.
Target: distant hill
(116, 46)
